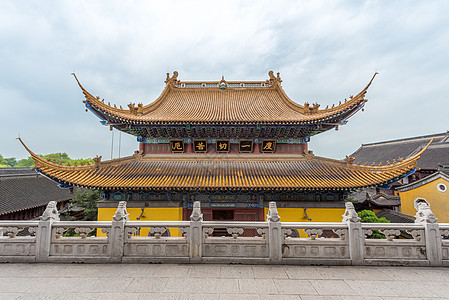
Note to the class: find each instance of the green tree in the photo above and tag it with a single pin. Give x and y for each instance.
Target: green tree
(87, 199)
(368, 216)
(26, 162)
(64, 159)
(3, 162)
(59, 158)
(11, 161)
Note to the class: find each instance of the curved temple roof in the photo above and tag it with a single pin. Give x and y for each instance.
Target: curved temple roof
(224, 102)
(297, 172)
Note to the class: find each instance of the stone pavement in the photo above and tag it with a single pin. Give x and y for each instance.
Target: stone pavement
(138, 281)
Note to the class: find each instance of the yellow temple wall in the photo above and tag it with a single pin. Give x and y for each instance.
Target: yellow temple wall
(149, 214)
(439, 201)
(175, 214)
(316, 214)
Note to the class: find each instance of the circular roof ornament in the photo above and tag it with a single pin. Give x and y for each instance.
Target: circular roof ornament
(222, 85)
(442, 187)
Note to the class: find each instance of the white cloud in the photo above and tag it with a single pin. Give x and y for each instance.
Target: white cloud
(121, 51)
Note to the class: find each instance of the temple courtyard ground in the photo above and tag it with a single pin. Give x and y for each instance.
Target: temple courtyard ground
(138, 281)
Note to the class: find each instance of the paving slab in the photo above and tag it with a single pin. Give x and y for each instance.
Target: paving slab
(269, 272)
(237, 272)
(332, 287)
(220, 281)
(300, 272)
(257, 286)
(371, 287)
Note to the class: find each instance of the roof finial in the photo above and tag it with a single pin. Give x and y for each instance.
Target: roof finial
(222, 85)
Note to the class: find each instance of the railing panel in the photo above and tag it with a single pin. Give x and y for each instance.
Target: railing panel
(444, 231)
(18, 238)
(395, 246)
(315, 241)
(81, 244)
(234, 244)
(350, 242)
(160, 242)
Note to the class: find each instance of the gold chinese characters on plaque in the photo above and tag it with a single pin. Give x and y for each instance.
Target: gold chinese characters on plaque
(245, 146)
(177, 146)
(268, 146)
(222, 146)
(200, 146)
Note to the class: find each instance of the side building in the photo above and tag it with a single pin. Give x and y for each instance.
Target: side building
(429, 182)
(24, 194)
(234, 146)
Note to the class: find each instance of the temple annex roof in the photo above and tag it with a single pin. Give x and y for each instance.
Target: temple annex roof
(436, 154)
(209, 171)
(224, 102)
(22, 189)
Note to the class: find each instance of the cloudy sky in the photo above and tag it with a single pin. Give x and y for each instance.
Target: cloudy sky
(121, 50)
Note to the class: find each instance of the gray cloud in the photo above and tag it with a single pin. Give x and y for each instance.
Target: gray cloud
(121, 51)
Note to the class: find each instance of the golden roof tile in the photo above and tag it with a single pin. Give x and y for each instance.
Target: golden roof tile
(231, 171)
(238, 102)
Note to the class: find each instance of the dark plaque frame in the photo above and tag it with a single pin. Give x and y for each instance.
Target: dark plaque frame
(217, 148)
(246, 146)
(264, 143)
(196, 143)
(177, 150)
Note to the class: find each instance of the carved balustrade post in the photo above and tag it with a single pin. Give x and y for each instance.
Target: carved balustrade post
(356, 237)
(434, 246)
(195, 235)
(275, 235)
(43, 234)
(116, 235)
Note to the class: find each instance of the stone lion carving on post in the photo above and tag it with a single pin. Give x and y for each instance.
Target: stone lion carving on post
(350, 214)
(273, 214)
(121, 213)
(196, 215)
(424, 214)
(50, 212)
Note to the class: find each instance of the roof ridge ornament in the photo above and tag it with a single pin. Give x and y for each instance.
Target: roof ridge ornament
(172, 81)
(311, 110)
(308, 154)
(97, 160)
(223, 84)
(274, 80)
(136, 110)
(350, 160)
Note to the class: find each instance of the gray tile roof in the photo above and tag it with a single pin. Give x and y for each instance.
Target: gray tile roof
(395, 216)
(435, 155)
(23, 188)
(376, 199)
(16, 171)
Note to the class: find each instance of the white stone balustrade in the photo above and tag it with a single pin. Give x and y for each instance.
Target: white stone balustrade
(422, 243)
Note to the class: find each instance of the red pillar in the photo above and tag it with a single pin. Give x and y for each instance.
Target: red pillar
(305, 147)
